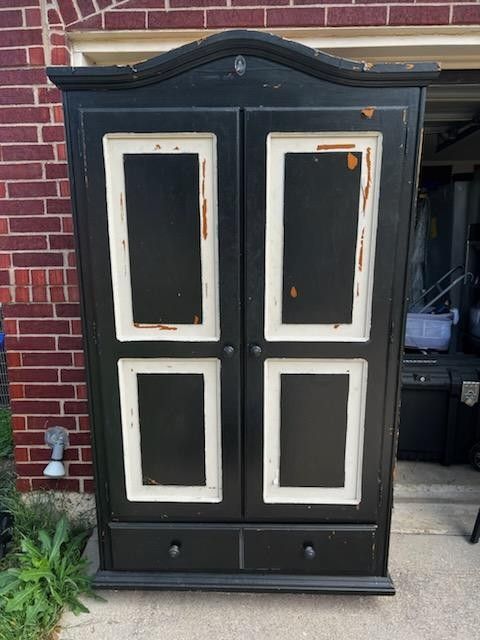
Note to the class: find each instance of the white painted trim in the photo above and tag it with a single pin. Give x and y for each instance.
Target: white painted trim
(115, 145)
(454, 47)
(211, 492)
(350, 493)
(369, 144)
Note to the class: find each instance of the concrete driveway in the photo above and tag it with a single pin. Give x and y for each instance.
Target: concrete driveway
(435, 569)
(438, 598)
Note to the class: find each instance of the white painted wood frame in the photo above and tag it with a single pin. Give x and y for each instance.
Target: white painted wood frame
(453, 46)
(278, 144)
(128, 369)
(115, 146)
(350, 493)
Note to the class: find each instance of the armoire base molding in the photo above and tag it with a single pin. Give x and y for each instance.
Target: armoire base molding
(245, 582)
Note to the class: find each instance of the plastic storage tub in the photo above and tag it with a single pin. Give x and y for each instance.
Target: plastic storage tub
(429, 331)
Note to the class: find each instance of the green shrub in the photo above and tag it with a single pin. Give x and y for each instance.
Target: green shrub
(6, 443)
(48, 575)
(43, 573)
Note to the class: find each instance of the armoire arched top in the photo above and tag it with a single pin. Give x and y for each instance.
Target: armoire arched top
(243, 42)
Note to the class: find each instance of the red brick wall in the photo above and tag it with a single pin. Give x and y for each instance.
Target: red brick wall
(38, 283)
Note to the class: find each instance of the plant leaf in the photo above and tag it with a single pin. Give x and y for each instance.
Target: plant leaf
(61, 535)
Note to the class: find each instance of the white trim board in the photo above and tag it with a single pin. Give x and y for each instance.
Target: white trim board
(454, 47)
(128, 369)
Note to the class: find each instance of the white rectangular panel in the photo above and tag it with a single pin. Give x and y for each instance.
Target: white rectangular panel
(350, 493)
(128, 369)
(369, 145)
(115, 146)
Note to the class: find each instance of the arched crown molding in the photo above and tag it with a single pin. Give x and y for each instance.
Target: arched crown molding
(243, 42)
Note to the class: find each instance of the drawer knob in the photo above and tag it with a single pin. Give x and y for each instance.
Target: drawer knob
(309, 552)
(174, 550)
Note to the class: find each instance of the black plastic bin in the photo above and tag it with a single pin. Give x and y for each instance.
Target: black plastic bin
(436, 423)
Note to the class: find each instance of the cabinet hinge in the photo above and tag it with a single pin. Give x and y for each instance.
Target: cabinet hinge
(406, 142)
(106, 493)
(392, 330)
(380, 493)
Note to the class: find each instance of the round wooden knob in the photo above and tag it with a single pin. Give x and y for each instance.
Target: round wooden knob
(309, 552)
(228, 350)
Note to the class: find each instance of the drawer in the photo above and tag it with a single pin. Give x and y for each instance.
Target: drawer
(343, 550)
(173, 548)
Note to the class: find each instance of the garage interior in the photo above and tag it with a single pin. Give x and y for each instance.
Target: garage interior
(437, 477)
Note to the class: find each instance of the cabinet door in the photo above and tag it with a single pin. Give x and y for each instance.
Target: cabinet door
(323, 203)
(162, 276)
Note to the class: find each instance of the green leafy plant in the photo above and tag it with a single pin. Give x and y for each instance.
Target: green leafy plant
(39, 510)
(6, 443)
(49, 574)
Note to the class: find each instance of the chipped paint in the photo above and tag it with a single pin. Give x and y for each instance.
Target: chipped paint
(360, 253)
(326, 147)
(204, 219)
(196, 320)
(157, 147)
(335, 326)
(204, 202)
(150, 481)
(176, 148)
(366, 188)
(358, 289)
(352, 161)
(368, 112)
(404, 115)
(293, 292)
(122, 208)
(163, 327)
(125, 257)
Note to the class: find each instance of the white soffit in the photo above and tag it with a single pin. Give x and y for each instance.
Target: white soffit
(454, 47)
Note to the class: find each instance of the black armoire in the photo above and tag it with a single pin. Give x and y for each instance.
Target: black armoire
(242, 211)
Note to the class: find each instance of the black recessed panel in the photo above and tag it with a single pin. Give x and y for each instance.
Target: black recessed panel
(162, 197)
(313, 427)
(172, 433)
(321, 197)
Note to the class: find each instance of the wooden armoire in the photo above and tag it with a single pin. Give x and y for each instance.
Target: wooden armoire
(242, 212)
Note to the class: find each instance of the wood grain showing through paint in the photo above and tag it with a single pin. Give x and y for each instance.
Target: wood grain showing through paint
(352, 161)
(327, 147)
(366, 189)
(368, 112)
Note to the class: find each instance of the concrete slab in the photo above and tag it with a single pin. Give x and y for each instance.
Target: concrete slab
(428, 481)
(437, 576)
(432, 473)
(438, 598)
(434, 518)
